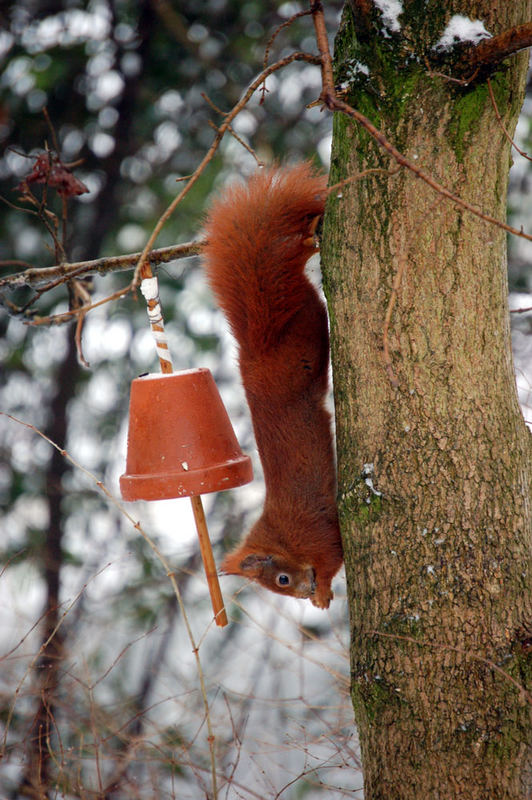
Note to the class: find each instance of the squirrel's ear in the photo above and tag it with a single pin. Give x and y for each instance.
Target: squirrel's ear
(255, 562)
(243, 563)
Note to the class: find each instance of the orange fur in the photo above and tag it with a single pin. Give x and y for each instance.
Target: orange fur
(260, 236)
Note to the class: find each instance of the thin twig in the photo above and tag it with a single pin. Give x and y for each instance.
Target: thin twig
(335, 104)
(340, 678)
(64, 201)
(278, 30)
(107, 265)
(15, 262)
(240, 141)
(214, 108)
(269, 45)
(499, 119)
(77, 339)
(53, 134)
(66, 316)
(460, 81)
(298, 56)
(364, 174)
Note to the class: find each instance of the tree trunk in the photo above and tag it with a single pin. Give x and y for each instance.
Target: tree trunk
(434, 456)
(37, 779)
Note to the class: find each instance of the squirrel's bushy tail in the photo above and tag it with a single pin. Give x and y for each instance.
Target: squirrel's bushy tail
(259, 239)
(260, 236)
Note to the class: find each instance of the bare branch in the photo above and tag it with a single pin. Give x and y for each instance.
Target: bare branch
(327, 75)
(489, 52)
(259, 80)
(278, 30)
(499, 119)
(520, 310)
(15, 262)
(359, 175)
(334, 103)
(63, 272)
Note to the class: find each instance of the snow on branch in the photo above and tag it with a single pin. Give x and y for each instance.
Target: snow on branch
(461, 29)
(493, 51)
(479, 49)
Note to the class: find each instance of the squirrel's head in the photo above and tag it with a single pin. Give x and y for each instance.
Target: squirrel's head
(274, 572)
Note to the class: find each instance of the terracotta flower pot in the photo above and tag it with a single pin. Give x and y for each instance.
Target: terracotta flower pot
(180, 439)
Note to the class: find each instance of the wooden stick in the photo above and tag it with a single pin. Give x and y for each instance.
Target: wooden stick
(150, 290)
(208, 561)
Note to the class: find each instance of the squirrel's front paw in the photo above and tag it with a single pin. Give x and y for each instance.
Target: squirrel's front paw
(322, 597)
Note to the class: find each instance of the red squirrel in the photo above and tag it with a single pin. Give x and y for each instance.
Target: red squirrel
(259, 238)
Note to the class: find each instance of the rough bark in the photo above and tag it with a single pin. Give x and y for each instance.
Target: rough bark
(434, 456)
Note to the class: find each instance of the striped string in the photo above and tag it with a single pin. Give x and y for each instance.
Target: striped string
(150, 289)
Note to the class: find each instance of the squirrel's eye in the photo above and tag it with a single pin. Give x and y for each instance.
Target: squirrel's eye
(283, 579)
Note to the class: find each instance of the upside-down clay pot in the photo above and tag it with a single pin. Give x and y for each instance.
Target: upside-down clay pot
(180, 441)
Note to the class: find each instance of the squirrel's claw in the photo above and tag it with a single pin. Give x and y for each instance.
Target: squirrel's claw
(322, 599)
